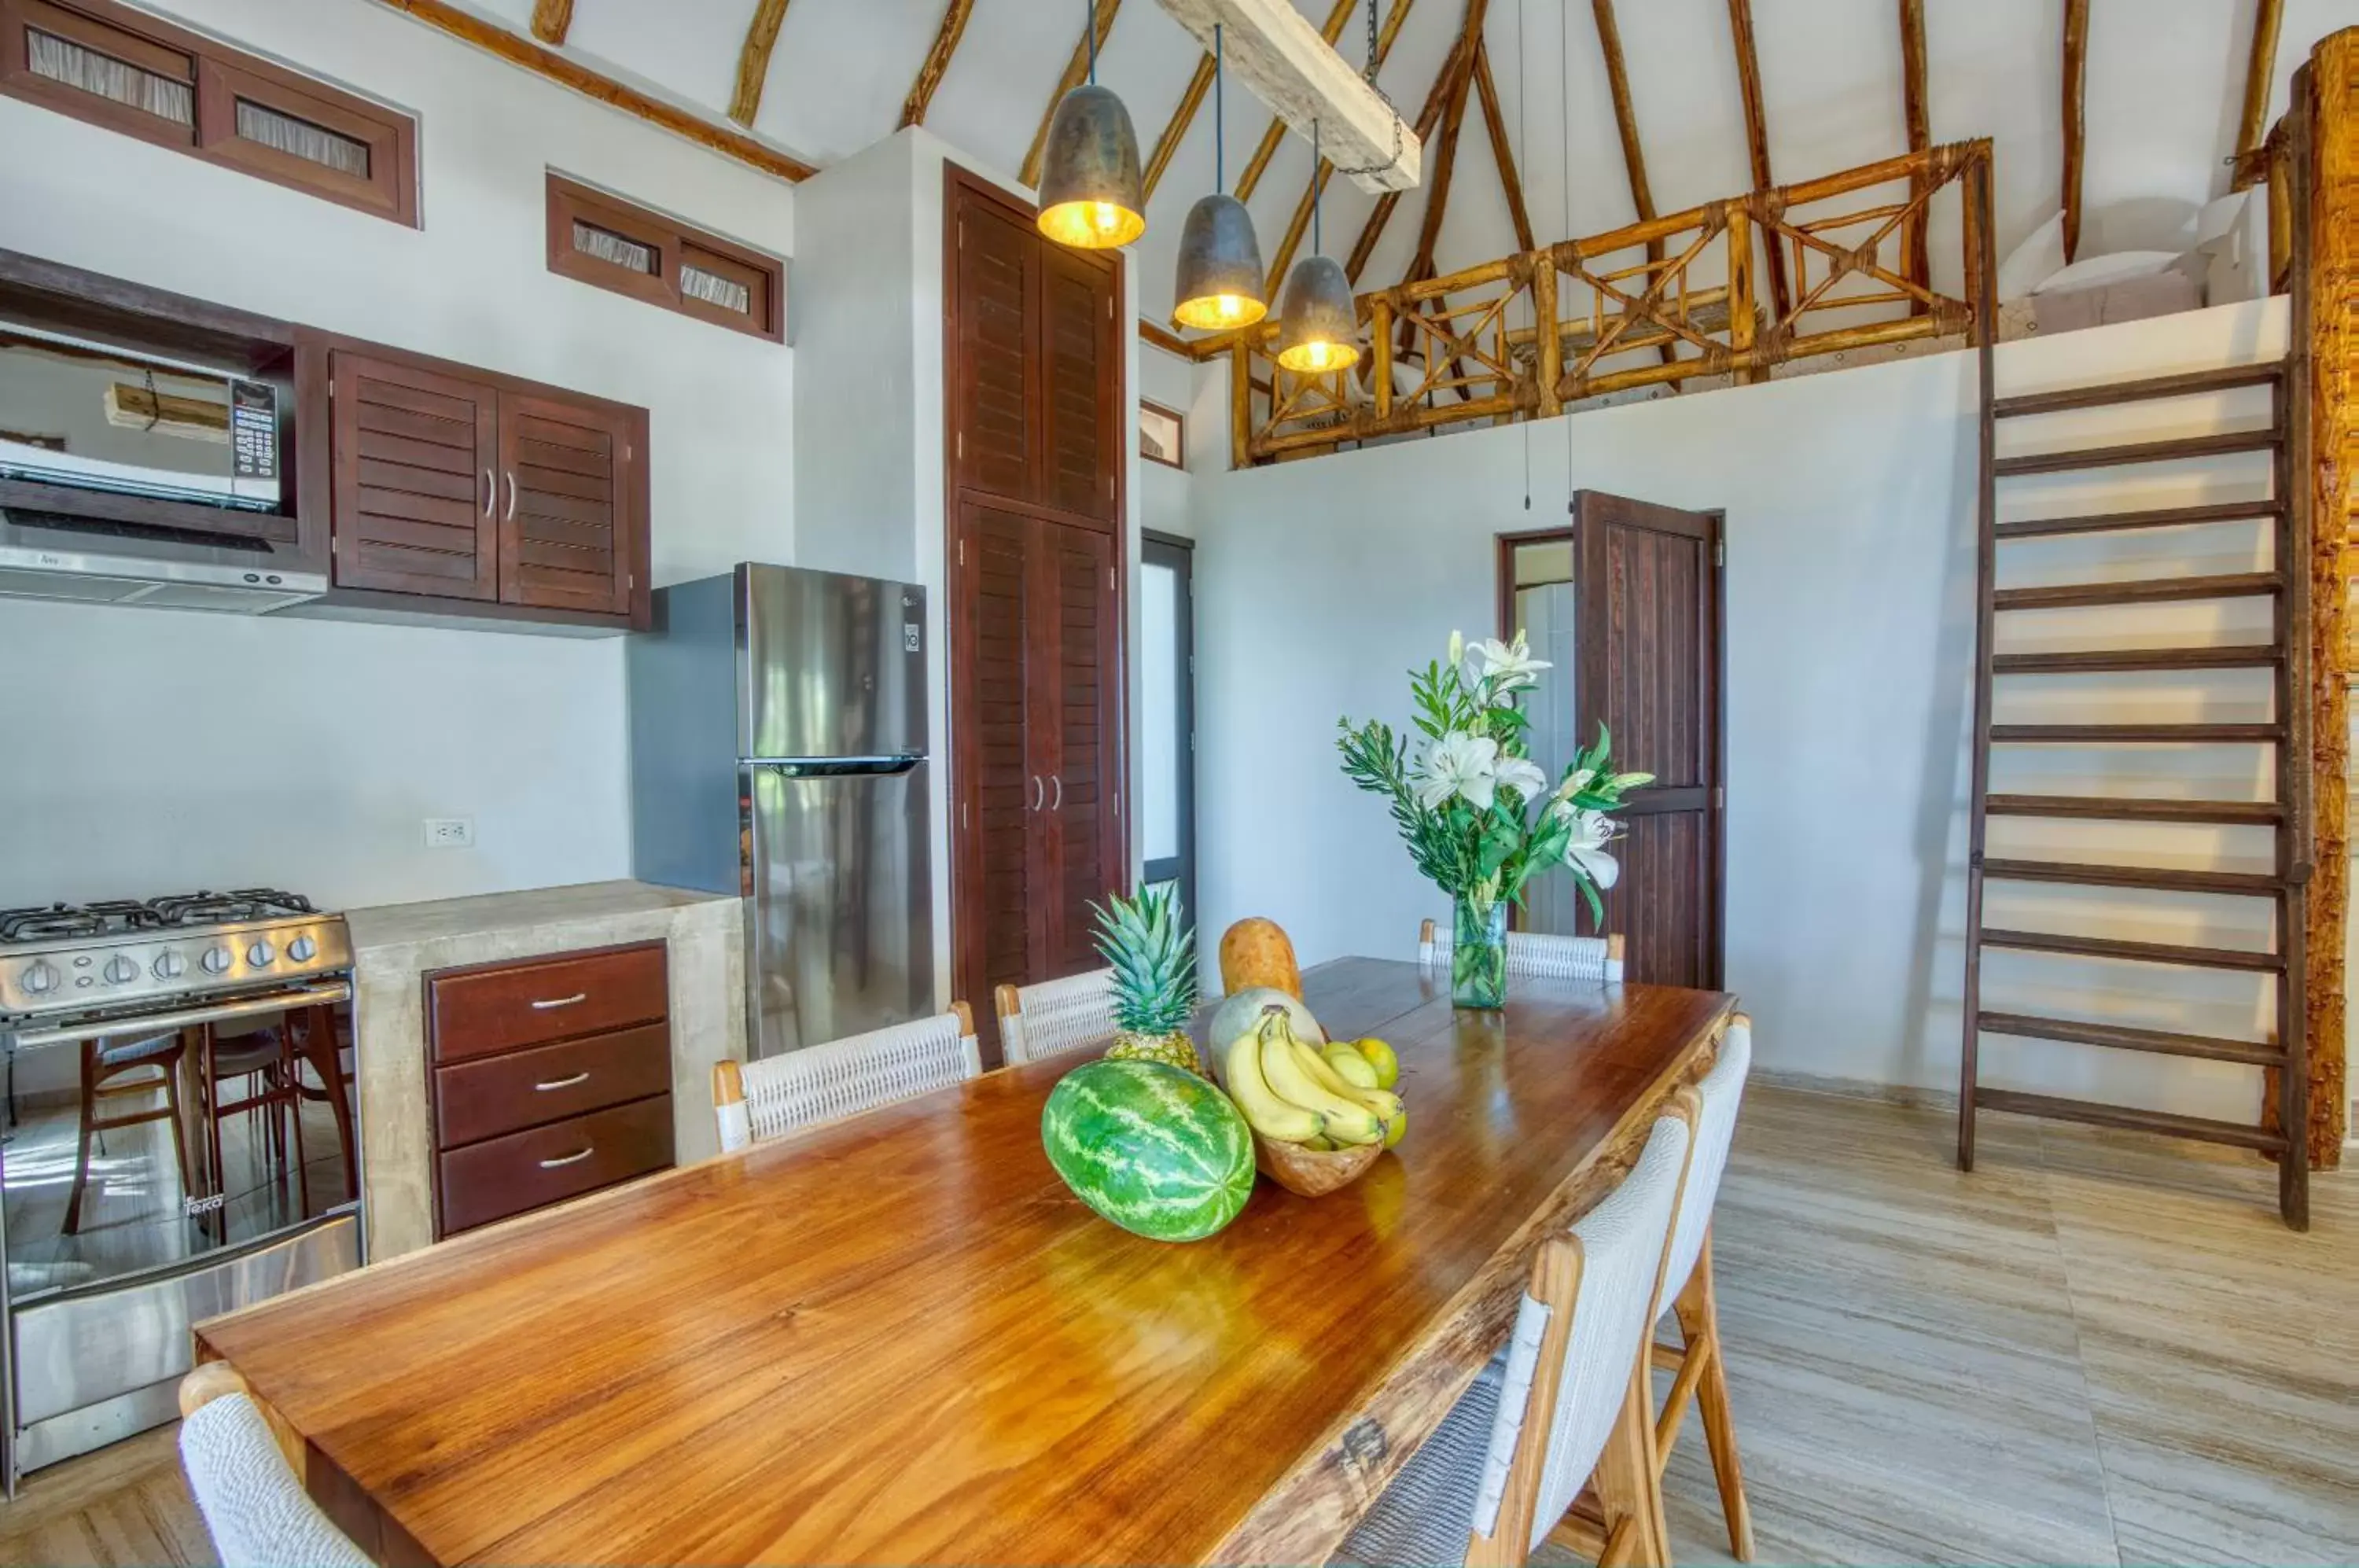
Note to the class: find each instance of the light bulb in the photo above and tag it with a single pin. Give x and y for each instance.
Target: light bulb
(1105, 217)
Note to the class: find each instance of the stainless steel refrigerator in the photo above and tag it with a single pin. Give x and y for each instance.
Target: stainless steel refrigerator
(778, 752)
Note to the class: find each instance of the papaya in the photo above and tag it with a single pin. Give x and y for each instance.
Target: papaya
(1255, 952)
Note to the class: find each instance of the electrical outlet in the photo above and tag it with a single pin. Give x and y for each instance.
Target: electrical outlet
(450, 833)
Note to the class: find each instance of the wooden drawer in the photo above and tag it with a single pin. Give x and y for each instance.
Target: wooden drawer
(500, 1007)
(525, 1170)
(484, 1098)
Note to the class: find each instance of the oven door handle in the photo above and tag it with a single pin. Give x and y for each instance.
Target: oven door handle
(182, 1018)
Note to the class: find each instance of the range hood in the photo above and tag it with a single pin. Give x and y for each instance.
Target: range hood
(39, 560)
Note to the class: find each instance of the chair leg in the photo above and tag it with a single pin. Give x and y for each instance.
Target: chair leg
(1698, 1313)
(1624, 1479)
(81, 1137)
(172, 1110)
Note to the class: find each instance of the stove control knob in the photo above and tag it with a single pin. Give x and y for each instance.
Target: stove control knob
(119, 969)
(170, 966)
(260, 955)
(302, 950)
(217, 960)
(38, 978)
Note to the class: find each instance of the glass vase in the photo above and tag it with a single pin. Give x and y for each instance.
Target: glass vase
(1478, 953)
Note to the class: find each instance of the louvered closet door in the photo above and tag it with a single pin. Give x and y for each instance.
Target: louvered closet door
(565, 502)
(414, 456)
(998, 278)
(1079, 734)
(1079, 429)
(1002, 925)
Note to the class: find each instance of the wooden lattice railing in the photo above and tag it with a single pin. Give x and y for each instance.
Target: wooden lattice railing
(1665, 300)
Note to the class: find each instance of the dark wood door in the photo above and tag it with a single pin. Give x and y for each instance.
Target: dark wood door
(1080, 384)
(996, 381)
(565, 503)
(413, 458)
(1078, 646)
(1647, 584)
(1003, 925)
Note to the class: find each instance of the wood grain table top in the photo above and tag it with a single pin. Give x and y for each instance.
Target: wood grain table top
(899, 1338)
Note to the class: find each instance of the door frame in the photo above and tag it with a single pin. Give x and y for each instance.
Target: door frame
(1569, 533)
(960, 186)
(1155, 545)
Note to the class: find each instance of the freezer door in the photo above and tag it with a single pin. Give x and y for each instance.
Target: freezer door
(833, 666)
(839, 921)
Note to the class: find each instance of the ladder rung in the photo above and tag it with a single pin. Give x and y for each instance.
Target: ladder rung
(2244, 884)
(2118, 808)
(2154, 517)
(2251, 1053)
(2125, 660)
(2156, 591)
(2136, 452)
(2096, 1115)
(2110, 733)
(2136, 391)
(2135, 951)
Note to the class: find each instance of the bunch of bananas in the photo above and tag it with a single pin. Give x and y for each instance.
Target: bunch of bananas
(1294, 1092)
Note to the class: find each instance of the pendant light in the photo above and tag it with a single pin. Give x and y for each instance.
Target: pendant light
(1090, 194)
(1318, 328)
(1219, 281)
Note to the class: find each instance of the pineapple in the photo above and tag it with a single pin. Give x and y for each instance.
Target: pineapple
(1154, 959)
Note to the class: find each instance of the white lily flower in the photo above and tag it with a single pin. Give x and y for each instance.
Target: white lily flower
(1523, 776)
(1511, 665)
(1459, 764)
(1592, 832)
(1457, 649)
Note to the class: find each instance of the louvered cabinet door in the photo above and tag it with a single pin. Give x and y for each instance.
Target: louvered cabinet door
(1078, 635)
(565, 505)
(414, 453)
(1001, 923)
(994, 436)
(1078, 428)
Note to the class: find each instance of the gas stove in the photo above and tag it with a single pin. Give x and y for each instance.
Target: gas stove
(121, 954)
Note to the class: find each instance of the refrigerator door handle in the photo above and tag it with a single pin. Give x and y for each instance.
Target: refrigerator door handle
(837, 767)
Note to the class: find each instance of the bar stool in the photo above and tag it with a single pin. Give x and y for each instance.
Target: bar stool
(322, 1037)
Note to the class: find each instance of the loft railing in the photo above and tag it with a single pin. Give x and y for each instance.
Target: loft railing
(1467, 346)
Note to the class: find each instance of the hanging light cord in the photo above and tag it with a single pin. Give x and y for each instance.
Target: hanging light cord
(1089, 30)
(1219, 116)
(1318, 191)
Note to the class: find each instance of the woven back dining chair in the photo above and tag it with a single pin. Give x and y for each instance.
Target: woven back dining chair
(1596, 958)
(1562, 1406)
(247, 1484)
(755, 1100)
(1056, 1015)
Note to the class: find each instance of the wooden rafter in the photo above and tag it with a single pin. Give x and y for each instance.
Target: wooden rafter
(1437, 98)
(1916, 255)
(1076, 69)
(937, 62)
(754, 59)
(1324, 168)
(1626, 118)
(551, 19)
(1756, 138)
(2260, 75)
(1176, 128)
(2076, 80)
(1249, 181)
(1510, 181)
(1445, 156)
(519, 51)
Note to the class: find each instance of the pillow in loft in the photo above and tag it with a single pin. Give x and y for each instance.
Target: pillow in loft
(2098, 271)
(2040, 256)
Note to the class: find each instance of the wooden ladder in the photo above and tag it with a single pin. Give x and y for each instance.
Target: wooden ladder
(2287, 655)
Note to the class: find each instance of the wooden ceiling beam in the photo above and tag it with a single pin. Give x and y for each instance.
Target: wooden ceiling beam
(1437, 98)
(937, 62)
(1175, 129)
(1256, 166)
(1917, 261)
(519, 51)
(1756, 141)
(2260, 76)
(1076, 71)
(1626, 119)
(1503, 154)
(551, 19)
(1298, 73)
(2076, 81)
(754, 59)
(1326, 166)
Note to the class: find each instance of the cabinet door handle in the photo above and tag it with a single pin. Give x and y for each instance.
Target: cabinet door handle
(561, 1083)
(544, 1006)
(576, 1158)
(1038, 793)
(512, 493)
(491, 491)
(1058, 780)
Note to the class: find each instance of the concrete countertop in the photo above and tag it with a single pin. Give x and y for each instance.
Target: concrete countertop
(394, 925)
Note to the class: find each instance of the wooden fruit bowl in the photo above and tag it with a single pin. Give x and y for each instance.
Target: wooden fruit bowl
(1312, 1173)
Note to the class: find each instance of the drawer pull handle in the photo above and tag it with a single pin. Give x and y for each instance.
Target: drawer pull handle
(576, 1158)
(543, 1006)
(561, 1083)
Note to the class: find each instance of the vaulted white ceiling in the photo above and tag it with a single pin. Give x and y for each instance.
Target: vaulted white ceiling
(2165, 86)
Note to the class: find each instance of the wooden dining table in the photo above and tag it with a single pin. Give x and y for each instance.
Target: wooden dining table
(899, 1338)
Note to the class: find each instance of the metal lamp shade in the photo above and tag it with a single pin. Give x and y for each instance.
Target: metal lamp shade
(1220, 267)
(1090, 194)
(1318, 329)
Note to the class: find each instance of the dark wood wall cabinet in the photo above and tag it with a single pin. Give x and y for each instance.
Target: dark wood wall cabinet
(550, 1077)
(1034, 392)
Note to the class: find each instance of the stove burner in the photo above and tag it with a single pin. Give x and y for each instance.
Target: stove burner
(115, 916)
(42, 925)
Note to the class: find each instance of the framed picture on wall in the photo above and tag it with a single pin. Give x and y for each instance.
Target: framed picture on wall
(1162, 434)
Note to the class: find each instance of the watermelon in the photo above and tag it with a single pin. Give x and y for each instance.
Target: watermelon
(1160, 1152)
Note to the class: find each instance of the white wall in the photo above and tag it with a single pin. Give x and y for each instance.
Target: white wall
(180, 749)
(1163, 503)
(1850, 589)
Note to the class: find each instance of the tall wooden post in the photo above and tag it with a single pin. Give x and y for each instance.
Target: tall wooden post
(1241, 399)
(1549, 341)
(1739, 241)
(2329, 328)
